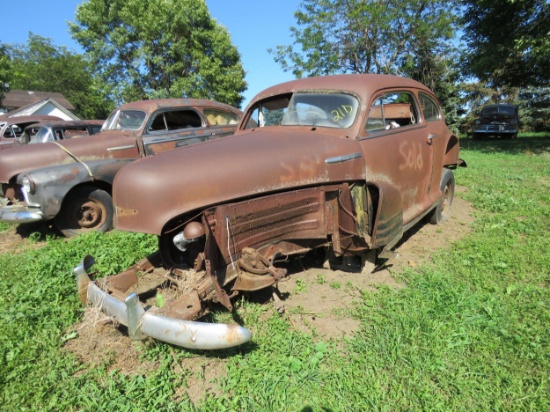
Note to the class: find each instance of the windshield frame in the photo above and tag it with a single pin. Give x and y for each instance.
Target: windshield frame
(116, 120)
(43, 135)
(306, 108)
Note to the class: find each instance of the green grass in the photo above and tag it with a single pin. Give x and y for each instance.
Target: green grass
(468, 332)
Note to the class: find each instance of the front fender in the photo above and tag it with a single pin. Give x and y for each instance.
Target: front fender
(388, 221)
(52, 184)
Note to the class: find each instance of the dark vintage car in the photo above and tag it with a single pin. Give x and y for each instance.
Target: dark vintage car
(341, 164)
(70, 181)
(497, 120)
(12, 128)
(50, 131)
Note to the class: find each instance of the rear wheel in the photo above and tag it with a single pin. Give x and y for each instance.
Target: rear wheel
(85, 209)
(443, 210)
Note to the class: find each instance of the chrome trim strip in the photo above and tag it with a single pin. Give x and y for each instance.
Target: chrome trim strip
(343, 158)
(20, 214)
(112, 149)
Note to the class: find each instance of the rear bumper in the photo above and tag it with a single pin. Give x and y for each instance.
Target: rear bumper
(142, 324)
(20, 214)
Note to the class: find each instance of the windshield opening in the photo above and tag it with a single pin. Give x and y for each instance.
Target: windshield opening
(43, 135)
(125, 120)
(498, 109)
(333, 110)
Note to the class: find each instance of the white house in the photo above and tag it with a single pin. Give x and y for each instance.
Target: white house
(27, 103)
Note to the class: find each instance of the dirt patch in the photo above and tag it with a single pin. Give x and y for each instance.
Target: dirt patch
(319, 301)
(316, 300)
(100, 342)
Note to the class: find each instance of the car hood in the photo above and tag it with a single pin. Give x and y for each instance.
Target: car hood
(28, 157)
(151, 191)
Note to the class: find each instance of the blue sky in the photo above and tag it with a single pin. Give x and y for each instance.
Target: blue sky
(254, 27)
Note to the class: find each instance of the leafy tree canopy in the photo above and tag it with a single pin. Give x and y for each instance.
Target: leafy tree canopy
(366, 36)
(159, 48)
(4, 71)
(41, 66)
(508, 41)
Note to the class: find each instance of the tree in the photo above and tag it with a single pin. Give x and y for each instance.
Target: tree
(508, 41)
(160, 48)
(41, 66)
(366, 36)
(535, 109)
(4, 71)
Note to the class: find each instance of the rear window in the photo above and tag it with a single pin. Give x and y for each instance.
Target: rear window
(220, 117)
(430, 108)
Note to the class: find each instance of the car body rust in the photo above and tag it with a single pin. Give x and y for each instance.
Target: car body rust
(342, 164)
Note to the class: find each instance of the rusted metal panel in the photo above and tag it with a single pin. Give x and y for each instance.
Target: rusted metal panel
(244, 166)
(266, 220)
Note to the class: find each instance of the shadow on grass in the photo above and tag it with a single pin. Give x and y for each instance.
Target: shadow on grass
(39, 231)
(521, 145)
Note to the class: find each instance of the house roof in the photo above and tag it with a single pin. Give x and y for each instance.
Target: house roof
(15, 99)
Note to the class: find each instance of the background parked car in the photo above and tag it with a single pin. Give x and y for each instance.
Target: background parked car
(69, 181)
(12, 127)
(339, 164)
(498, 120)
(65, 129)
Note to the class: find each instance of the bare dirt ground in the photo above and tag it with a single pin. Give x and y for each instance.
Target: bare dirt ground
(317, 301)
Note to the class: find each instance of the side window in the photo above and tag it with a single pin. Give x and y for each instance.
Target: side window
(94, 129)
(175, 120)
(220, 117)
(68, 133)
(391, 111)
(430, 108)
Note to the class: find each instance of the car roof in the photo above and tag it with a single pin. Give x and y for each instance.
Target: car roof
(26, 119)
(155, 104)
(363, 85)
(68, 123)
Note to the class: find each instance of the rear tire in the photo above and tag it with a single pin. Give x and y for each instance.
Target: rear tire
(443, 210)
(85, 209)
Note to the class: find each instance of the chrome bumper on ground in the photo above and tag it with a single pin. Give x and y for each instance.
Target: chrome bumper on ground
(141, 324)
(20, 214)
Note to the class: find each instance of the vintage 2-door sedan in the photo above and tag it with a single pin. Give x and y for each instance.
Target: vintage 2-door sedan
(344, 164)
(70, 181)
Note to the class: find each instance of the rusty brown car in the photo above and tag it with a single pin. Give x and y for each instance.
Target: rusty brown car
(50, 131)
(69, 181)
(11, 128)
(342, 164)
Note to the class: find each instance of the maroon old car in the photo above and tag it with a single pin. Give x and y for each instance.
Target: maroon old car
(343, 164)
(69, 181)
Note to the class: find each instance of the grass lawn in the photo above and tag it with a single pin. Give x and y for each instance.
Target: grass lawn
(469, 331)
